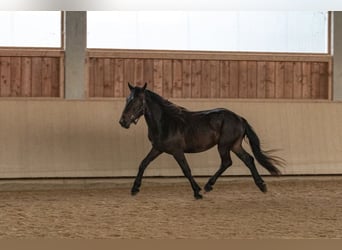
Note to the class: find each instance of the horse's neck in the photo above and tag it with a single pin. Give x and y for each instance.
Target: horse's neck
(153, 115)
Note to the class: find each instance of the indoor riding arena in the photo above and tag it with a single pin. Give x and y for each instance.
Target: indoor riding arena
(67, 166)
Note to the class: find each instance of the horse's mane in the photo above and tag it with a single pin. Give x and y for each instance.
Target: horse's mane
(174, 111)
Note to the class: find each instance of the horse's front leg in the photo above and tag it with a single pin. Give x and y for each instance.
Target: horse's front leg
(180, 158)
(153, 154)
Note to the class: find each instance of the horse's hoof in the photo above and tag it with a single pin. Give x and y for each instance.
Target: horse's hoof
(263, 187)
(198, 196)
(134, 192)
(208, 188)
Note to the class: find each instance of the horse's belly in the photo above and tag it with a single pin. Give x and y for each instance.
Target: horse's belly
(199, 143)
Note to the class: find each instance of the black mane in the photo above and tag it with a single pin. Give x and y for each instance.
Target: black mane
(174, 111)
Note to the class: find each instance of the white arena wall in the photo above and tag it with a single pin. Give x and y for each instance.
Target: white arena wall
(71, 138)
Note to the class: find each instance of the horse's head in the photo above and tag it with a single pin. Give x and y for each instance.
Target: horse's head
(135, 106)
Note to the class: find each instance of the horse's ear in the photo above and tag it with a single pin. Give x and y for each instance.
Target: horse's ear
(130, 86)
(144, 87)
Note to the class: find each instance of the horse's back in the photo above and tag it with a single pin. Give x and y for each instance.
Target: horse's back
(204, 129)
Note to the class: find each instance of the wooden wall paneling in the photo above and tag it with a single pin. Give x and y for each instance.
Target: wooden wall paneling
(186, 78)
(205, 82)
(234, 79)
(15, 76)
(224, 79)
(5, 78)
(148, 73)
(261, 80)
(323, 80)
(139, 72)
(167, 78)
(57, 87)
(37, 88)
(243, 79)
(205, 75)
(158, 76)
(215, 80)
(315, 89)
(129, 69)
(91, 76)
(297, 80)
(26, 76)
(177, 79)
(280, 78)
(108, 78)
(288, 80)
(306, 80)
(196, 78)
(117, 77)
(251, 79)
(47, 76)
(99, 76)
(270, 79)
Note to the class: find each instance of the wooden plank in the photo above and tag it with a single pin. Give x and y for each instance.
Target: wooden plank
(243, 79)
(251, 79)
(91, 77)
(118, 77)
(215, 79)
(323, 81)
(158, 76)
(224, 79)
(279, 79)
(315, 80)
(205, 82)
(148, 73)
(60, 68)
(47, 76)
(186, 78)
(31, 52)
(297, 80)
(196, 78)
(37, 88)
(15, 76)
(234, 79)
(108, 77)
(288, 80)
(270, 79)
(167, 78)
(210, 55)
(56, 67)
(26, 77)
(129, 69)
(306, 68)
(99, 77)
(177, 87)
(139, 72)
(261, 79)
(5, 78)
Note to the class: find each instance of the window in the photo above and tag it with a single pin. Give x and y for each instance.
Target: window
(30, 29)
(259, 31)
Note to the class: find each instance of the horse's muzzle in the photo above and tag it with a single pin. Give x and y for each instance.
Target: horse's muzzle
(123, 123)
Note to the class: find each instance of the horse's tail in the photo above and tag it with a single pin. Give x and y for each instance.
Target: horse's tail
(263, 157)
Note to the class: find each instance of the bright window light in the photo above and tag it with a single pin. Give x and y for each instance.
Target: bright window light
(30, 28)
(259, 31)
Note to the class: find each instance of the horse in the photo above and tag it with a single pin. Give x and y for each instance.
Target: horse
(175, 130)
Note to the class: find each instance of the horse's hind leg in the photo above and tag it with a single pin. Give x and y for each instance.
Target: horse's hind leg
(226, 162)
(249, 162)
(180, 158)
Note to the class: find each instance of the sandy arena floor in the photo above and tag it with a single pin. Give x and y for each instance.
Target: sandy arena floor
(294, 207)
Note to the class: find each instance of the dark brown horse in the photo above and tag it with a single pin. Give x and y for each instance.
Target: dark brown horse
(176, 131)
